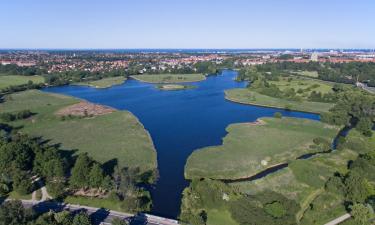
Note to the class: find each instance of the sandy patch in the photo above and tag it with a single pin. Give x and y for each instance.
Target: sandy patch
(85, 109)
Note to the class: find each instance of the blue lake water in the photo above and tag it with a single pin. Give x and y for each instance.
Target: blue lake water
(179, 123)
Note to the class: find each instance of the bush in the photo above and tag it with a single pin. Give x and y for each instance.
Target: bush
(278, 115)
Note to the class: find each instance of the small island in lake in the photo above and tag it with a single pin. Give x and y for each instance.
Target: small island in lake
(174, 87)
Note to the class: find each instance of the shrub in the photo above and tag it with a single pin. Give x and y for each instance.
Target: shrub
(278, 115)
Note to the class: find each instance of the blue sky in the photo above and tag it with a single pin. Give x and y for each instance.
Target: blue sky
(187, 24)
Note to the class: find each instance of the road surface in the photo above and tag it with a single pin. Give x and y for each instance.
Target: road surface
(339, 219)
(98, 216)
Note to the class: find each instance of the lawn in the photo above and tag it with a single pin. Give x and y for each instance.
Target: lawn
(306, 73)
(170, 78)
(360, 143)
(103, 83)
(14, 80)
(305, 84)
(250, 148)
(220, 217)
(117, 136)
(246, 96)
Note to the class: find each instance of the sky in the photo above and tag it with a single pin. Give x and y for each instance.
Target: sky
(110, 24)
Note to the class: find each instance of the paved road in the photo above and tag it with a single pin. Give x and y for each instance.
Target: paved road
(98, 216)
(339, 219)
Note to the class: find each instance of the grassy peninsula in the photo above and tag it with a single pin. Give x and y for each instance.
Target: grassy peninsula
(119, 136)
(249, 148)
(169, 78)
(103, 83)
(246, 96)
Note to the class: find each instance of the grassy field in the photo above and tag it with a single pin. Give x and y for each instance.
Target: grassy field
(250, 148)
(13, 80)
(170, 78)
(313, 74)
(359, 143)
(303, 181)
(115, 136)
(220, 217)
(307, 85)
(103, 83)
(245, 96)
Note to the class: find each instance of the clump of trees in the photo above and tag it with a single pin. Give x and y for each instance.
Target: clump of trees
(22, 158)
(354, 108)
(264, 208)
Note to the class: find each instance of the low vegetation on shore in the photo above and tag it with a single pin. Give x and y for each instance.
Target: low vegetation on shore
(169, 78)
(246, 96)
(250, 148)
(173, 87)
(104, 83)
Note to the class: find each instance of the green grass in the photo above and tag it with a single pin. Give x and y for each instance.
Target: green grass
(358, 142)
(313, 74)
(304, 84)
(95, 202)
(118, 135)
(18, 196)
(14, 80)
(248, 149)
(220, 217)
(104, 83)
(246, 96)
(323, 209)
(170, 78)
(304, 182)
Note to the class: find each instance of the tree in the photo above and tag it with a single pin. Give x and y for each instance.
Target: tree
(364, 126)
(357, 188)
(81, 171)
(81, 219)
(361, 213)
(13, 213)
(96, 176)
(278, 115)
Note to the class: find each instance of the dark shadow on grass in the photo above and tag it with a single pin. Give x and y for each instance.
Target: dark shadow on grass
(139, 219)
(109, 166)
(99, 216)
(46, 206)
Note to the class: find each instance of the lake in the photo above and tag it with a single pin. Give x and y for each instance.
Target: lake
(179, 122)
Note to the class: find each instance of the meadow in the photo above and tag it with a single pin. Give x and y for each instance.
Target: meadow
(304, 181)
(14, 80)
(250, 148)
(246, 96)
(305, 84)
(169, 78)
(103, 83)
(117, 137)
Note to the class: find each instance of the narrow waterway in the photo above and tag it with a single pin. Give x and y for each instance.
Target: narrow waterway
(179, 123)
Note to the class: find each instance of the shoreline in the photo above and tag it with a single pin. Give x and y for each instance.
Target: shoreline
(267, 106)
(151, 82)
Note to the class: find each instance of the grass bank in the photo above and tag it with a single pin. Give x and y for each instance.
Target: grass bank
(103, 83)
(14, 80)
(169, 78)
(250, 148)
(246, 96)
(117, 137)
